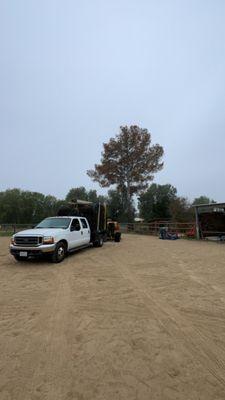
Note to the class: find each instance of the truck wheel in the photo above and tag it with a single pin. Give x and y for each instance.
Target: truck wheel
(59, 253)
(117, 237)
(19, 258)
(99, 242)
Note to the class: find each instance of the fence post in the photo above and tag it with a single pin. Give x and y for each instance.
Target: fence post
(197, 223)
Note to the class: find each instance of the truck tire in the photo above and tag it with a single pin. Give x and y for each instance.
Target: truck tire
(117, 237)
(99, 242)
(59, 253)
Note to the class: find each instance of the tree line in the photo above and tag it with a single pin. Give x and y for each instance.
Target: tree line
(157, 202)
(128, 164)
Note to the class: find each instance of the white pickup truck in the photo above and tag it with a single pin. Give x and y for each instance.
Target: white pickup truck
(55, 237)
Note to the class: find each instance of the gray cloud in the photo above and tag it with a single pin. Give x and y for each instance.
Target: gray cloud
(72, 72)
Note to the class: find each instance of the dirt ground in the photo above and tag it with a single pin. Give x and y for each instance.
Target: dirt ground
(142, 319)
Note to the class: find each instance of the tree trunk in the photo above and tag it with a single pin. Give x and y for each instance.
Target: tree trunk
(129, 203)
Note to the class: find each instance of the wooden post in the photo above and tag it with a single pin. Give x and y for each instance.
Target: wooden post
(197, 224)
(98, 220)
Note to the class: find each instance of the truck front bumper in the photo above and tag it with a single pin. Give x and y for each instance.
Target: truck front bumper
(32, 251)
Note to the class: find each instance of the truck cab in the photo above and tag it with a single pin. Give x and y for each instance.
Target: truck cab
(54, 236)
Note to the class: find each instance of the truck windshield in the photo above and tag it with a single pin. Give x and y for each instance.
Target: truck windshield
(62, 223)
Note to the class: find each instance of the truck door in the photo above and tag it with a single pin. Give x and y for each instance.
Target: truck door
(86, 231)
(76, 235)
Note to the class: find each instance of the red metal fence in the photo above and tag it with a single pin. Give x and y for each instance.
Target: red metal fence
(152, 228)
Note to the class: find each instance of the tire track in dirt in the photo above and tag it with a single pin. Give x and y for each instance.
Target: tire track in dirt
(55, 355)
(177, 327)
(104, 329)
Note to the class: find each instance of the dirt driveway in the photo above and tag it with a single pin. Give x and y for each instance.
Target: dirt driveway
(143, 319)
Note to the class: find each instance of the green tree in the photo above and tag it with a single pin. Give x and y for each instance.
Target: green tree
(203, 200)
(92, 196)
(77, 193)
(10, 206)
(33, 209)
(128, 161)
(117, 206)
(80, 193)
(181, 210)
(102, 198)
(155, 202)
(25, 207)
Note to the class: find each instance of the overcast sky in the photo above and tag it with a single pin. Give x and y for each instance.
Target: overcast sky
(72, 72)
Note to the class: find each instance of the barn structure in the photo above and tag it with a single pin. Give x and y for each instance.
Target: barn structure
(210, 220)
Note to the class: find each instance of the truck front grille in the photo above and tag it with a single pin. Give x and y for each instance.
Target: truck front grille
(28, 240)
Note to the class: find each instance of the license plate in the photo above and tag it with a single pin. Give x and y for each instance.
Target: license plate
(23, 253)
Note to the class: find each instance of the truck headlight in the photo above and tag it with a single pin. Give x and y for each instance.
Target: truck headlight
(48, 240)
(12, 240)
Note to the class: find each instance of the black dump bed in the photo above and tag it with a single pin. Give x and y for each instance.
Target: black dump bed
(94, 212)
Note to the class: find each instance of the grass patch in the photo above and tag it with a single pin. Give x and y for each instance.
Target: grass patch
(6, 233)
